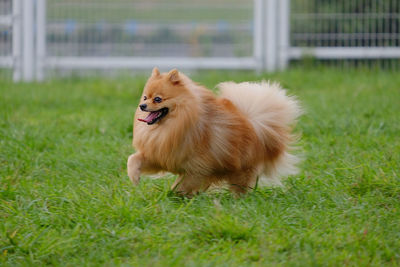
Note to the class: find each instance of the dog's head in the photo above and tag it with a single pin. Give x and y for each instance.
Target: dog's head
(162, 94)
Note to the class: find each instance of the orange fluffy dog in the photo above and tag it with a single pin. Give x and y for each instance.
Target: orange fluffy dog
(237, 137)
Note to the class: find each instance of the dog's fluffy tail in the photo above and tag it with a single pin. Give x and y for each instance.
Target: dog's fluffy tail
(272, 114)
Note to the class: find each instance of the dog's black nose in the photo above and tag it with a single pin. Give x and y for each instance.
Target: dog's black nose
(143, 107)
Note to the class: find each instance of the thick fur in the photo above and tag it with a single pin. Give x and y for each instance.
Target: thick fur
(243, 134)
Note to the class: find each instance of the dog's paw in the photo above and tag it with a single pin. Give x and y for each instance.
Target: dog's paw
(134, 176)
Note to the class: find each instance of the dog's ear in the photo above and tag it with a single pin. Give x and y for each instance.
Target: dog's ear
(155, 72)
(173, 76)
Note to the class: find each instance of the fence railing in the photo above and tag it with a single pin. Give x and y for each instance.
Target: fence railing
(343, 29)
(264, 35)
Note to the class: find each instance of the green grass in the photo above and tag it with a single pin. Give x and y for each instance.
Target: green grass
(65, 198)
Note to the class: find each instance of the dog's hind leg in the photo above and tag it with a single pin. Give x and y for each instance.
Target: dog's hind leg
(241, 183)
(189, 185)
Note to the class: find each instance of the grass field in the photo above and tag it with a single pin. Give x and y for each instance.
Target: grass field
(65, 198)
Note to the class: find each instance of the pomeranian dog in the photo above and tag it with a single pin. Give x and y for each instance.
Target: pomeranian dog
(236, 138)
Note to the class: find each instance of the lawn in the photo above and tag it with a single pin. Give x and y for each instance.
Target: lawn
(65, 198)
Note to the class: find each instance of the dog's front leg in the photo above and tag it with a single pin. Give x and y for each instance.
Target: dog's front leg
(134, 164)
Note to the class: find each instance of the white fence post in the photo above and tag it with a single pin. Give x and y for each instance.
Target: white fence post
(270, 35)
(283, 33)
(258, 33)
(28, 40)
(16, 39)
(40, 38)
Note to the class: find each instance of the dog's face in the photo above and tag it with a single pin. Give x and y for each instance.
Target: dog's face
(161, 95)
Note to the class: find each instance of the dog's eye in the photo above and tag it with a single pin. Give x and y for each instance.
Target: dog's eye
(145, 97)
(157, 99)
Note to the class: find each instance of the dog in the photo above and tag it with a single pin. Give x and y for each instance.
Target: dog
(235, 138)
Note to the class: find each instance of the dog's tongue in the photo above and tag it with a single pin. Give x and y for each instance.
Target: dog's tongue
(150, 117)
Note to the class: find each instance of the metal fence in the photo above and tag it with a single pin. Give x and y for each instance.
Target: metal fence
(6, 30)
(142, 34)
(40, 36)
(345, 29)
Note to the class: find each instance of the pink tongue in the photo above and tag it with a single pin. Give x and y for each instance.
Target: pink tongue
(150, 117)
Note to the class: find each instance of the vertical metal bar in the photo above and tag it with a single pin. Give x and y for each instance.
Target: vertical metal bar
(284, 33)
(381, 22)
(394, 42)
(258, 40)
(318, 23)
(346, 9)
(16, 39)
(40, 38)
(270, 35)
(28, 40)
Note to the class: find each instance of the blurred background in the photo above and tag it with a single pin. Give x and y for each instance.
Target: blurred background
(40, 39)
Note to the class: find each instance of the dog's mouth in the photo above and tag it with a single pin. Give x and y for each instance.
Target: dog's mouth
(155, 116)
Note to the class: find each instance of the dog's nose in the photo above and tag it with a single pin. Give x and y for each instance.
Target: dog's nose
(143, 107)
